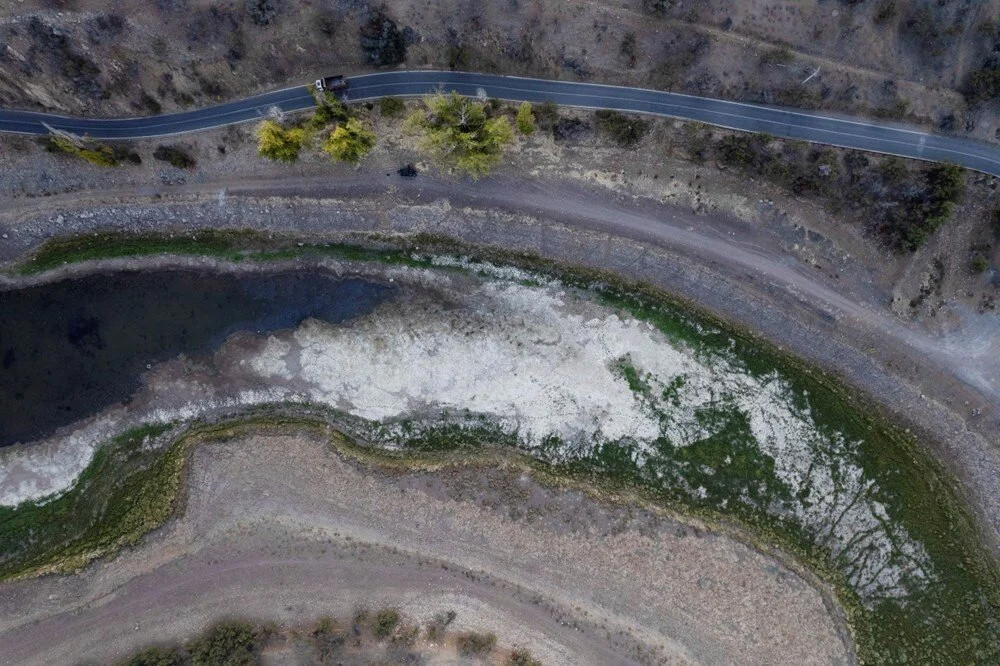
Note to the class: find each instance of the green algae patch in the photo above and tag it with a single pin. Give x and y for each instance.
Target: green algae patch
(228, 245)
(60, 251)
(125, 491)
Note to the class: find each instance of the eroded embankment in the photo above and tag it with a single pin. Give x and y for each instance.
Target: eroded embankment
(633, 389)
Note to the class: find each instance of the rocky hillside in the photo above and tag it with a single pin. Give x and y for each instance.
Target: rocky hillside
(936, 63)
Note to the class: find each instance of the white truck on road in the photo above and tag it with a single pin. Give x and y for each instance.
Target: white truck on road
(332, 83)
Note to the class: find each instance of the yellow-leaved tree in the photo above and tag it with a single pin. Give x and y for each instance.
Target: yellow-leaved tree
(277, 143)
(349, 142)
(459, 132)
(525, 119)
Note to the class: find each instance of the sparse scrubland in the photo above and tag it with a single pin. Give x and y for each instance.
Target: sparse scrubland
(385, 636)
(903, 206)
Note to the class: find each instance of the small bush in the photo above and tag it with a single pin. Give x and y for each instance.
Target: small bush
(521, 657)
(887, 10)
(798, 96)
(525, 119)
(150, 103)
(385, 621)
(546, 115)
(923, 30)
(437, 626)
(570, 129)
(697, 141)
(658, 6)
(979, 264)
(100, 154)
(626, 130)
(176, 157)
(405, 637)
(472, 644)
(982, 84)
(328, 640)
(779, 56)
(628, 49)
(262, 12)
(390, 107)
(669, 72)
(893, 171)
(226, 644)
(740, 150)
(155, 657)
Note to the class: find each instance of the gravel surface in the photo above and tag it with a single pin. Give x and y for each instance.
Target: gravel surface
(571, 579)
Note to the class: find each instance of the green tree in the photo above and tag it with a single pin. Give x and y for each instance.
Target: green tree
(458, 131)
(658, 6)
(525, 119)
(349, 142)
(226, 644)
(329, 109)
(277, 143)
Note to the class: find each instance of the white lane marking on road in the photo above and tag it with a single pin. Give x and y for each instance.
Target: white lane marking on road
(258, 110)
(658, 92)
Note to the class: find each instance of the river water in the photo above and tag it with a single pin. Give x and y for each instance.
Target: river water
(71, 348)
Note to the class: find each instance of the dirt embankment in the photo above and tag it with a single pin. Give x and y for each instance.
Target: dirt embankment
(570, 579)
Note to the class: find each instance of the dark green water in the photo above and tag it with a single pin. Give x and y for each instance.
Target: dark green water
(69, 349)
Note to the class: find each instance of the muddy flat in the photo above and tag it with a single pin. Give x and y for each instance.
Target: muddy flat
(284, 529)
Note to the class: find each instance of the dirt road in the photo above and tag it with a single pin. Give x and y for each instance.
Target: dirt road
(572, 580)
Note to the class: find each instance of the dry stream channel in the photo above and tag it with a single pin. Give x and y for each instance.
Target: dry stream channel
(442, 352)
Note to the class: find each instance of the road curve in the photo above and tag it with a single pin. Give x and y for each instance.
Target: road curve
(808, 126)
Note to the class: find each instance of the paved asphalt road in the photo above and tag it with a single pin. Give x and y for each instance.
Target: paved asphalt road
(859, 134)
